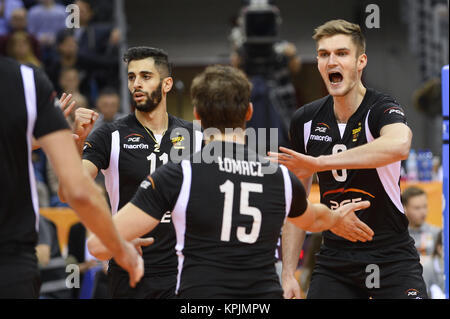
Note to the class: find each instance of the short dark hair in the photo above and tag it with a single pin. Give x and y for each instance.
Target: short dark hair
(62, 35)
(160, 57)
(221, 96)
(410, 192)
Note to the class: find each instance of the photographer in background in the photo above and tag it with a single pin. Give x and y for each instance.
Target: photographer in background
(270, 65)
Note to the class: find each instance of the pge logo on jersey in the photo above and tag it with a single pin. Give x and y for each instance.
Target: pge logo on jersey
(134, 138)
(395, 110)
(321, 127)
(414, 293)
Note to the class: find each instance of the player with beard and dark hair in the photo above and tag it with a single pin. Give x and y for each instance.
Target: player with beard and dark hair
(127, 150)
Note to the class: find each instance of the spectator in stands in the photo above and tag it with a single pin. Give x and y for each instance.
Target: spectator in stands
(108, 104)
(19, 47)
(69, 81)
(45, 20)
(6, 9)
(415, 203)
(98, 44)
(433, 272)
(52, 264)
(79, 254)
(67, 57)
(18, 22)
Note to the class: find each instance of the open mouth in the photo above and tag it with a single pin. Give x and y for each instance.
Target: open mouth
(335, 77)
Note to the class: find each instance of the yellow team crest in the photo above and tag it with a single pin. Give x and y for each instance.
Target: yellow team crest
(177, 142)
(356, 132)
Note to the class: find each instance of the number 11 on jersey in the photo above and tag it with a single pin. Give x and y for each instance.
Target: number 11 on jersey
(164, 158)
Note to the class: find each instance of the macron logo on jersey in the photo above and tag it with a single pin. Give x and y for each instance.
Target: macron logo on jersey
(141, 146)
(321, 138)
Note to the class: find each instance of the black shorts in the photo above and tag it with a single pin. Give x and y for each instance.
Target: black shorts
(361, 275)
(149, 287)
(19, 276)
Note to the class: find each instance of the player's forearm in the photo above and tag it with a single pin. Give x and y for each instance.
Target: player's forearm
(292, 243)
(97, 249)
(324, 218)
(382, 151)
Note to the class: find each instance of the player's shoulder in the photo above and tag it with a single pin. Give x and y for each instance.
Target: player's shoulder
(379, 99)
(179, 122)
(308, 111)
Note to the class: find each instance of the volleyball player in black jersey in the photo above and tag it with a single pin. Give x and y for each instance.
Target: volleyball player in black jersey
(27, 104)
(355, 139)
(129, 149)
(228, 206)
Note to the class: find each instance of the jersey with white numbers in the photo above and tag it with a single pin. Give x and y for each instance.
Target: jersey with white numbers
(228, 211)
(126, 153)
(314, 131)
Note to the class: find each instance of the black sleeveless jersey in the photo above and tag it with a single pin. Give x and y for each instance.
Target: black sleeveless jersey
(314, 131)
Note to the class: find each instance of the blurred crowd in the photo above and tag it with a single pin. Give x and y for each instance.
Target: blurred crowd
(80, 61)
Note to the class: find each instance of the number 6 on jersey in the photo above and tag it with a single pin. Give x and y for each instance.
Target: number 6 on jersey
(245, 209)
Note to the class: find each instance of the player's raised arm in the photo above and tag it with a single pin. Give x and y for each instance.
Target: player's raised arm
(392, 145)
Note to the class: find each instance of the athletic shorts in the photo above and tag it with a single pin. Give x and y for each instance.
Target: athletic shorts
(361, 275)
(19, 276)
(149, 287)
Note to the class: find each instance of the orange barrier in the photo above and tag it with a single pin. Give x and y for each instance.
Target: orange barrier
(64, 218)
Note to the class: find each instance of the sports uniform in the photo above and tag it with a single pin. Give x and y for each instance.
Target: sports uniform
(343, 268)
(227, 213)
(27, 102)
(127, 152)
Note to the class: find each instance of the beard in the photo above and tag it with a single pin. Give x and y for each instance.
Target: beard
(152, 100)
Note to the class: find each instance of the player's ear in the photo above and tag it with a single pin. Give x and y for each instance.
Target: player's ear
(167, 84)
(362, 62)
(196, 116)
(249, 113)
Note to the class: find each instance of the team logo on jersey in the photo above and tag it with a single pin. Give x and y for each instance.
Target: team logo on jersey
(335, 204)
(133, 138)
(355, 132)
(395, 109)
(177, 142)
(412, 293)
(321, 138)
(321, 127)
